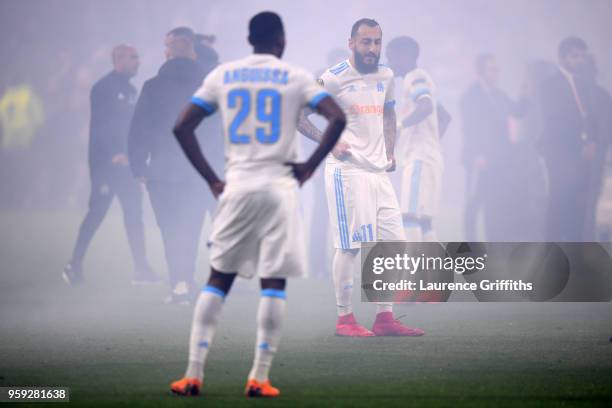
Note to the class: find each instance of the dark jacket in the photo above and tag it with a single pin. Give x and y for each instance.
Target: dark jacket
(112, 105)
(563, 124)
(484, 118)
(153, 151)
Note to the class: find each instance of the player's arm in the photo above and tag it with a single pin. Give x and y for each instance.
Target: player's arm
(444, 119)
(307, 128)
(139, 142)
(184, 130)
(336, 121)
(390, 132)
(424, 108)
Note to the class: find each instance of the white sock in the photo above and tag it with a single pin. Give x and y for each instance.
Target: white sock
(203, 325)
(343, 269)
(384, 307)
(269, 320)
(413, 231)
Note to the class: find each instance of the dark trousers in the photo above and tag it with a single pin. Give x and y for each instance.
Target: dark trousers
(568, 197)
(128, 191)
(179, 210)
(473, 204)
(501, 193)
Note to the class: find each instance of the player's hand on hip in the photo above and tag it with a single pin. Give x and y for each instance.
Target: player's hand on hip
(217, 188)
(393, 164)
(300, 171)
(341, 150)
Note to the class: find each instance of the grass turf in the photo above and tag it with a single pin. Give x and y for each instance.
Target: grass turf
(117, 345)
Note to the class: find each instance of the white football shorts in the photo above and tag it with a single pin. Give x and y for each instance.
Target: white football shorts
(259, 232)
(421, 186)
(362, 206)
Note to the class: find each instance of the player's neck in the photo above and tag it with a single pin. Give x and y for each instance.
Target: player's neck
(266, 50)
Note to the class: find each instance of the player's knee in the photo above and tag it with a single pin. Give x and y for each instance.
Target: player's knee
(221, 280)
(273, 283)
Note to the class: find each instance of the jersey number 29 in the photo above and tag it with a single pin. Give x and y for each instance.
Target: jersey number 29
(271, 116)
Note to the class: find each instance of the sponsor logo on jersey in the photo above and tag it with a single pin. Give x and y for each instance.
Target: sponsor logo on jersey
(366, 110)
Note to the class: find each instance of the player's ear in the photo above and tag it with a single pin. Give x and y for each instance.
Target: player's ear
(351, 43)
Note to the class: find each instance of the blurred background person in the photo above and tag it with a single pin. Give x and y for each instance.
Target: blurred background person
(602, 104)
(493, 173)
(178, 196)
(419, 123)
(528, 131)
(212, 142)
(205, 52)
(112, 104)
(569, 142)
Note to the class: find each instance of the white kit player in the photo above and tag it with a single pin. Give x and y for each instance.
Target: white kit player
(422, 122)
(362, 203)
(257, 220)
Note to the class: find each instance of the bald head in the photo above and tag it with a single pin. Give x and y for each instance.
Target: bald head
(125, 60)
(180, 43)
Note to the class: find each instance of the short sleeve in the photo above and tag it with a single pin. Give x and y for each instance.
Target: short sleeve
(207, 96)
(418, 86)
(311, 90)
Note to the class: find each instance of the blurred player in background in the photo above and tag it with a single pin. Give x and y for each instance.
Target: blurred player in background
(361, 200)
(257, 228)
(420, 125)
(112, 104)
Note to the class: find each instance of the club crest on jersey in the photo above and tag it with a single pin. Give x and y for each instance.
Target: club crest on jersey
(320, 82)
(380, 87)
(352, 88)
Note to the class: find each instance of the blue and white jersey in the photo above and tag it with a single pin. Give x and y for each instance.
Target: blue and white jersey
(363, 97)
(421, 141)
(260, 98)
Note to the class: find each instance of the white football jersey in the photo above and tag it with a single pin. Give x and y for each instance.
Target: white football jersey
(363, 98)
(260, 98)
(421, 141)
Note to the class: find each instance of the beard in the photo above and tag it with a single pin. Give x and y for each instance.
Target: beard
(362, 66)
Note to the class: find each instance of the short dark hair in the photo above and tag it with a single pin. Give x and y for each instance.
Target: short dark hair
(265, 28)
(370, 22)
(480, 63)
(570, 43)
(183, 32)
(406, 45)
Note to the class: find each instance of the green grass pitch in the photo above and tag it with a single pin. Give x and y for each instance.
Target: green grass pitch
(117, 345)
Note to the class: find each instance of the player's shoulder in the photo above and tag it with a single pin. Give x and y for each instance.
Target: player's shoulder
(417, 76)
(385, 72)
(338, 70)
